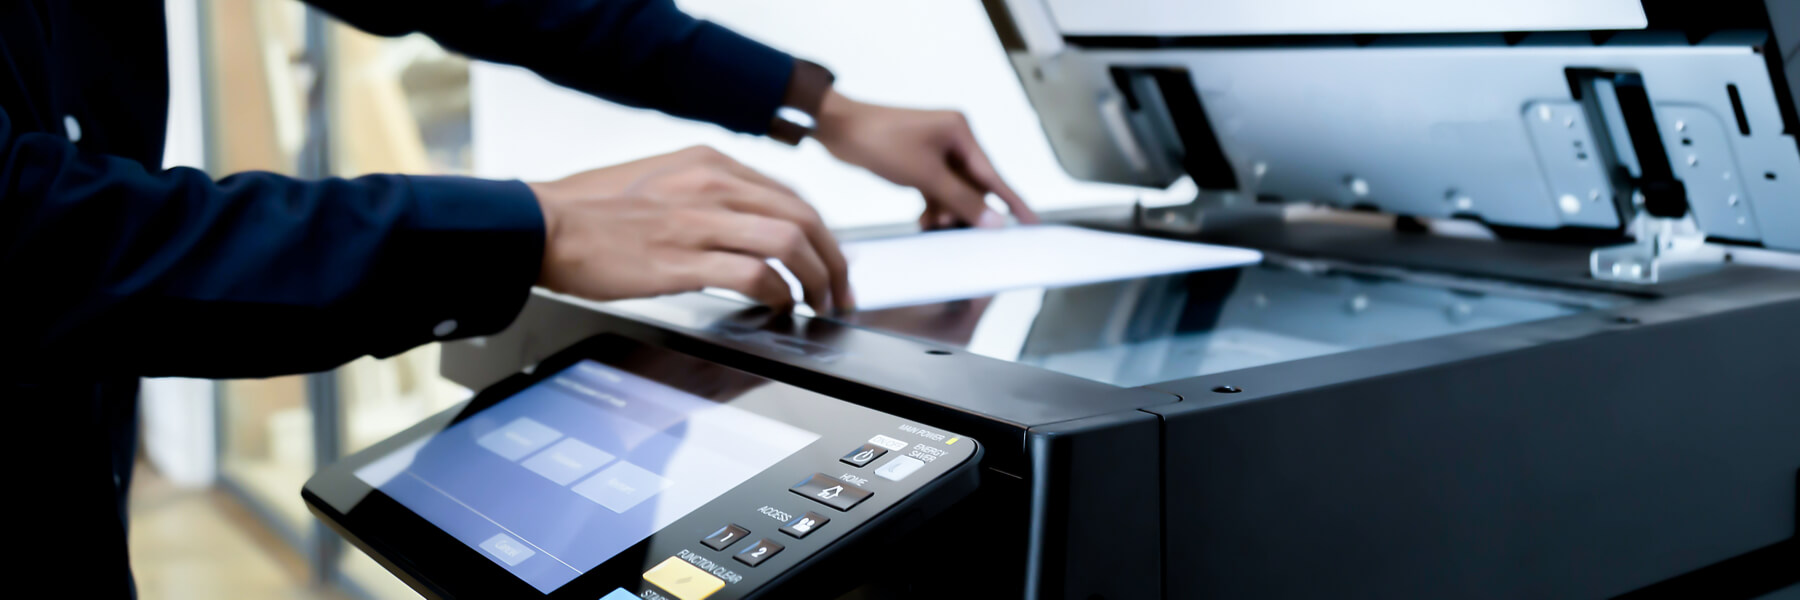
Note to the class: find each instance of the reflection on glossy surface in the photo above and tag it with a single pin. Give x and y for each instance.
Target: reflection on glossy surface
(1144, 331)
(570, 472)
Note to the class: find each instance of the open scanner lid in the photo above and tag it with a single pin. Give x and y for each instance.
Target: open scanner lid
(1540, 114)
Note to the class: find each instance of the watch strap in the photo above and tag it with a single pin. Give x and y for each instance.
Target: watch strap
(806, 90)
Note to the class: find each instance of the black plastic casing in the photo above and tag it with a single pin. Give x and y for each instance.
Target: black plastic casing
(1652, 445)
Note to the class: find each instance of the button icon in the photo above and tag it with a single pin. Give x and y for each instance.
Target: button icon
(863, 455)
(507, 549)
(725, 537)
(888, 442)
(758, 552)
(683, 580)
(518, 438)
(825, 490)
(804, 524)
(899, 468)
(621, 486)
(567, 460)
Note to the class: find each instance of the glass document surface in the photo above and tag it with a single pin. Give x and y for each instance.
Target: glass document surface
(579, 467)
(1148, 330)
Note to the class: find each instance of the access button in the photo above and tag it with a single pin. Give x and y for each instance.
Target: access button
(825, 490)
(804, 524)
(725, 537)
(863, 455)
(683, 580)
(759, 552)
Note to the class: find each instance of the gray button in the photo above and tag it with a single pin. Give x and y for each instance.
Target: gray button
(520, 437)
(825, 490)
(72, 127)
(803, 525)
(864, 454)
(444, 329)
(567, 461)
(758, 552)
(899, 468)
(507, 549)
(725, 537)
(621, 486)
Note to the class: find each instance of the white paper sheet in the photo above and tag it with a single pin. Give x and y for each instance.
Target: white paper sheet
(972, 263)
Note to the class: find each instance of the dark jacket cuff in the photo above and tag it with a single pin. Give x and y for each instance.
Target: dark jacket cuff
(744, 80)
(465, 262)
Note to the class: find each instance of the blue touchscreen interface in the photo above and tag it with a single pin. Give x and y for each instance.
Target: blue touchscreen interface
(577, 468)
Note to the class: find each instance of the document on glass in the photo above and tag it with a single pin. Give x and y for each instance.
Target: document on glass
(973, 263)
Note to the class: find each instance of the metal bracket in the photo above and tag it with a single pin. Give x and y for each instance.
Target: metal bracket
(1210, 210)
(1666, 249)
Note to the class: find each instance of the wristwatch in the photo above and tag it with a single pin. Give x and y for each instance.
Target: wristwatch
(799, 111)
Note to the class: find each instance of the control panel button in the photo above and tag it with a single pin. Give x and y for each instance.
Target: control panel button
(888, 442)
(507, 549)
(804, 524)
(683, 580)
(725, 537)
(899, 468)
(759, 552)
(827, 490)
(862, 456)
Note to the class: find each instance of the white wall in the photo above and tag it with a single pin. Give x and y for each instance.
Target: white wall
(919, 53)
(185, 144)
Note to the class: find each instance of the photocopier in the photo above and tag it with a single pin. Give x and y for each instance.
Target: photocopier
(1526, 326)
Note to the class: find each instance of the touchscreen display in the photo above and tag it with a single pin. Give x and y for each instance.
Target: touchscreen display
(579, 467)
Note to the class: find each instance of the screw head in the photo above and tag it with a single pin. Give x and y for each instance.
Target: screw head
(1569, 203)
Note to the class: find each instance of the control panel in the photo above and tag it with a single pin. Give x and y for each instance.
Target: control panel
(748, 539)
(620, 469)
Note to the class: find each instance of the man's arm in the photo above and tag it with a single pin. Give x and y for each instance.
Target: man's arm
(644, 53)
(648, 53)
(112, 269)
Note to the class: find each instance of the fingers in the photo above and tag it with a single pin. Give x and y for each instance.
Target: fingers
(956, 196)
(934, 218)
(976, 165)
(790, 208)
(760, 236)
(744, 274)
(968, 176)
(711, 178)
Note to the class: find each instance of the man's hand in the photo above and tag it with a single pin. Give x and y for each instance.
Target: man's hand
(933, 151)
(684, 221)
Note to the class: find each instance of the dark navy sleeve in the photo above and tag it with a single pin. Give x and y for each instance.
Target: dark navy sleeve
(643, 53)
(114, 269)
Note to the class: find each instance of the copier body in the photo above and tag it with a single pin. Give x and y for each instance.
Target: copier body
(1390, 406)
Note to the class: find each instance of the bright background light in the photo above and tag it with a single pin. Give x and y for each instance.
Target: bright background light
(917, 53)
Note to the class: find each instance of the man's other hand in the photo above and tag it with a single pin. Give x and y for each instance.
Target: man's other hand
(933, 151)
(681, 222)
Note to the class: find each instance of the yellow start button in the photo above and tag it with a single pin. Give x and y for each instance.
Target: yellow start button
(684, 580)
